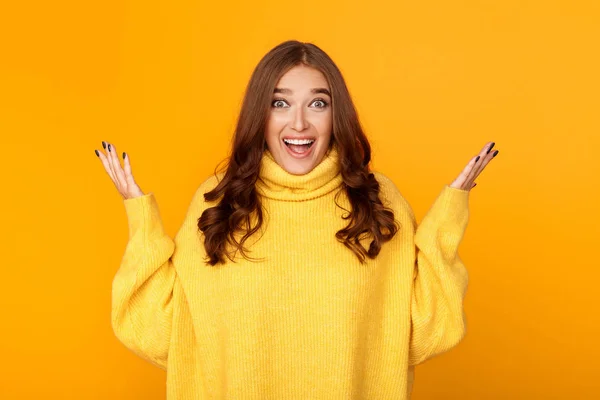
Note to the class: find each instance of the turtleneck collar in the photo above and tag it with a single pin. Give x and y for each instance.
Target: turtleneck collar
(276, 183)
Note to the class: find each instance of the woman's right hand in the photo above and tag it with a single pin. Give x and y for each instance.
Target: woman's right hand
(122, 178)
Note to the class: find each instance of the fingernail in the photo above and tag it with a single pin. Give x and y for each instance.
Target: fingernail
(109, 147)
(477, 159)
(474, 184)
(103, 144)
(98, 154)
(495, 153)
(123, 155)
(488, 152)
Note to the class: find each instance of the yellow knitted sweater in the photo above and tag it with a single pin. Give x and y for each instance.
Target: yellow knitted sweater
(307, 321)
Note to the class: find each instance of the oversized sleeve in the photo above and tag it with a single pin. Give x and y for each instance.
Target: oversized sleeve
(143, 286)
(438, 321)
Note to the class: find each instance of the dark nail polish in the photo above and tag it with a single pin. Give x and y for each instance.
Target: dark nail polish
(109, 147)
(495, 153)
(104, 145)
(98, 154)
(488, 152)
(123, 155)
(477, 159)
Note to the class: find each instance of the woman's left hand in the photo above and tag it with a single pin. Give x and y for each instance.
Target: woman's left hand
(466, 179)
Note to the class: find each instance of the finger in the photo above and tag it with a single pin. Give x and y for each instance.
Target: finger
(116, 165)
(485, 161)
(106, 164)
(467, 172)
(485, 156)
(119, 168)
(128, 174)
(110, 164)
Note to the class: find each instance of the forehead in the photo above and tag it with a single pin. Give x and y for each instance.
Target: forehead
(303, 78)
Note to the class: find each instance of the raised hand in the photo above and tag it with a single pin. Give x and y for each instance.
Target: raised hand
(121, 177)
(466, 179)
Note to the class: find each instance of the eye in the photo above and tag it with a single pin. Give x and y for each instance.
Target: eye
(279, 103)
(320, 103)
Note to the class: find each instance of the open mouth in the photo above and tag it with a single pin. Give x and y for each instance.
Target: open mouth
(299, 145)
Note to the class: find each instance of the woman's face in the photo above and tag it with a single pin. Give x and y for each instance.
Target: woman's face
(300, 120)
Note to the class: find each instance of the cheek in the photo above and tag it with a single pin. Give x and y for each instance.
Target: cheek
(324, 125)
(273, 128)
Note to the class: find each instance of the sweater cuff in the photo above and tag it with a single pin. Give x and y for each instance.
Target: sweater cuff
(143, 216)
(449, 212)
(454, 202)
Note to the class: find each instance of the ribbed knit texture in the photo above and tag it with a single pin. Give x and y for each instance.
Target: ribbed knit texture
(306, 321)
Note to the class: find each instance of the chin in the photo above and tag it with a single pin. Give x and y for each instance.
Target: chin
(296, 169)
(303, 165)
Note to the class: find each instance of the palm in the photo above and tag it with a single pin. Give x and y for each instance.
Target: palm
(122, 177)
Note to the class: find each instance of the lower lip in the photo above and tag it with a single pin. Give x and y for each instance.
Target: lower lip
(300, 156)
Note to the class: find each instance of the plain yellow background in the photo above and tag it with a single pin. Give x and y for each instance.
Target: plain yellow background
(433, 81)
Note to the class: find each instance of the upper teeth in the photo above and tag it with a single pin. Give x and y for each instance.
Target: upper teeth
(298, 141)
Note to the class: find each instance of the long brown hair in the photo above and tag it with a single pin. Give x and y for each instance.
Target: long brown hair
(239, 199)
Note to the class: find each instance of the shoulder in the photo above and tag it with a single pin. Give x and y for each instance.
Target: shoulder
(198, 202)
(211, 182)
(388, 190)
(392, 197)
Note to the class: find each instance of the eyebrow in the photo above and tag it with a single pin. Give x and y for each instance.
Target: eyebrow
(315, 90)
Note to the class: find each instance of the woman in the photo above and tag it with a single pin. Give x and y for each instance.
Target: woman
(297, 273)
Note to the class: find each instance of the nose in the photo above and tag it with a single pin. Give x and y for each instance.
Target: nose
(299, 122)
